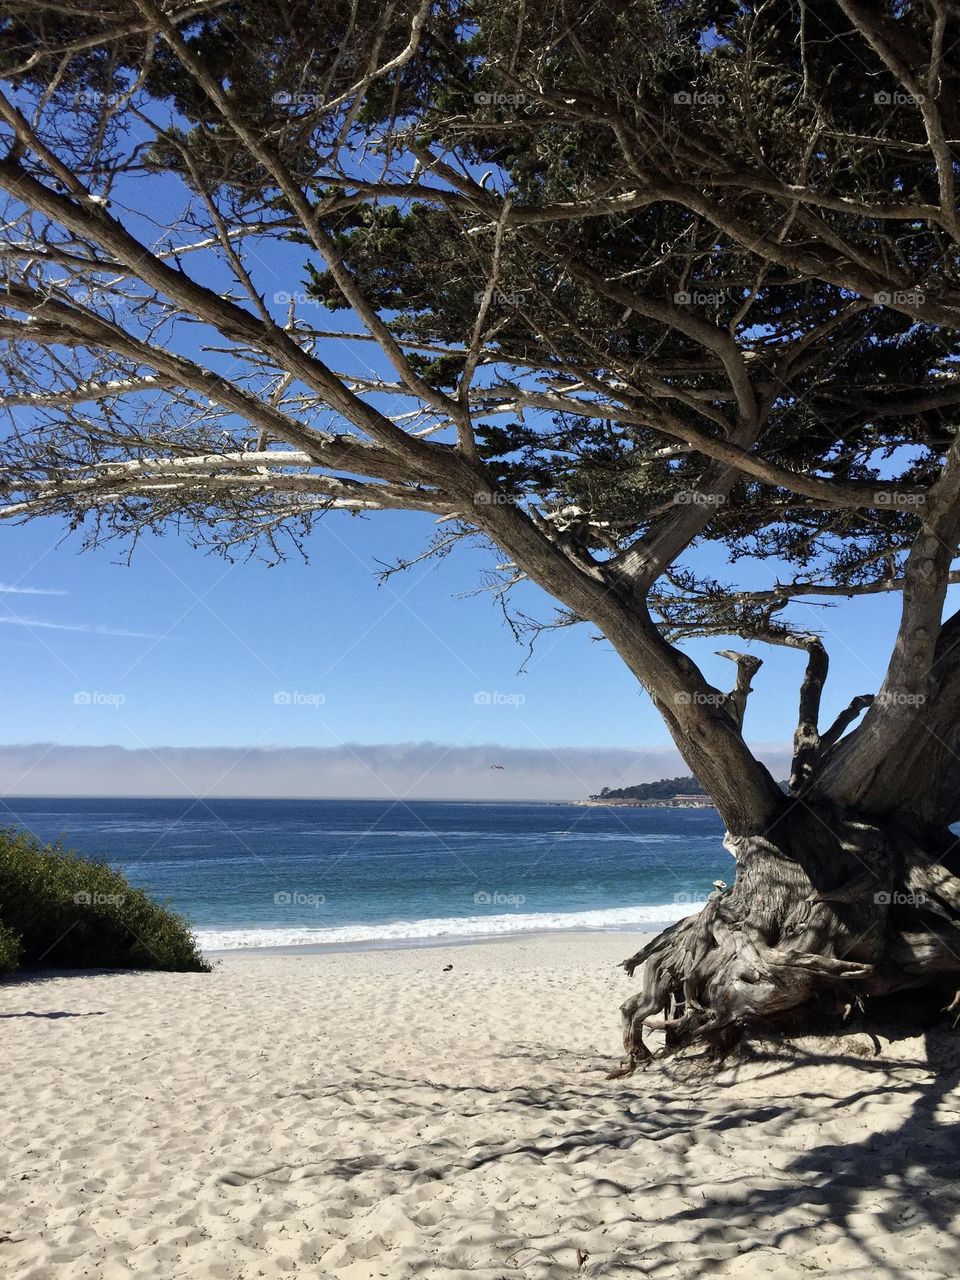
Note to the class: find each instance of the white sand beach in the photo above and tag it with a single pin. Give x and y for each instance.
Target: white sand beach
(369, 1114)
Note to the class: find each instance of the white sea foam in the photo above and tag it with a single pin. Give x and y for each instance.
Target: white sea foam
(450, 928)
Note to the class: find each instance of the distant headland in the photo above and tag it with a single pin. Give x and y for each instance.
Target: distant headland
(668, 793)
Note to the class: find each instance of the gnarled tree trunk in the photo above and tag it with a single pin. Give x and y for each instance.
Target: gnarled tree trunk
(828, 905)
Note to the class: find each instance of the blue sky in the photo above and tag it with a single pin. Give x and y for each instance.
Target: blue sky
(353, 661)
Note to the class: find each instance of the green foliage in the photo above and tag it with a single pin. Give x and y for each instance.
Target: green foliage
(62, 911)
(775, 90)
(663, 789)
(10, 950)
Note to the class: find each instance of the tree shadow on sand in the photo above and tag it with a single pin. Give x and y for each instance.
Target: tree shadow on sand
(699, 1170)
(55, 1013)
(891, 1196)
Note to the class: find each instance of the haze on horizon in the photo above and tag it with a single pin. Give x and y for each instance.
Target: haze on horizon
(394, 771)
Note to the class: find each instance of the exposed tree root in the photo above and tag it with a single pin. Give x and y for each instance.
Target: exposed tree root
(827, 911)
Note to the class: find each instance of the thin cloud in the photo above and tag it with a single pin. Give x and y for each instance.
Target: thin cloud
(8, 589)
(88, 628)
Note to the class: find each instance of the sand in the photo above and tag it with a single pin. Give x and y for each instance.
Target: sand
(368, 1114)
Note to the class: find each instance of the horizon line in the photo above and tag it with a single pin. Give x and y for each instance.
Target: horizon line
(110, 795)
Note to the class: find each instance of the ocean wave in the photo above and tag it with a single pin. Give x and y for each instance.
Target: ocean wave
(451, 928)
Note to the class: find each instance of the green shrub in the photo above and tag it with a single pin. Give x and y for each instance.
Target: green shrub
(62, 911)
(10, 950)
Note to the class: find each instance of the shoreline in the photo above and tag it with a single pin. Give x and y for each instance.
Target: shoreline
(407, 934)
(426, 944)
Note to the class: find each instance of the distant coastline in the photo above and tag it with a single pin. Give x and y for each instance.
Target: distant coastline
(667, 793)
(675, 802)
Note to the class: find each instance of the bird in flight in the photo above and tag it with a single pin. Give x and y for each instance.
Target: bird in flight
(497, 766)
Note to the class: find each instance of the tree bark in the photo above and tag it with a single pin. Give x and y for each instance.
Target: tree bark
(829, 909)
(704, 723)
(914, 709)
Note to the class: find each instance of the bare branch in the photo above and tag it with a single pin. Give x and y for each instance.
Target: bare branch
(748, 665)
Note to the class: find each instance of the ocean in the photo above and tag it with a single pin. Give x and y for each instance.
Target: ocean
(273, 873)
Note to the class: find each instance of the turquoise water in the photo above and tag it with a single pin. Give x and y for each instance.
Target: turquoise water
(255, 873)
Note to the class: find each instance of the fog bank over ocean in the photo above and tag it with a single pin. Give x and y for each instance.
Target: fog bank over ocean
(415, 770)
